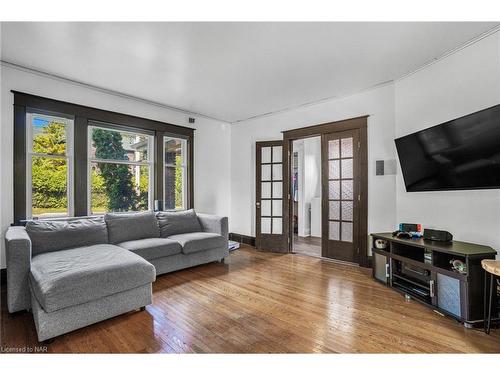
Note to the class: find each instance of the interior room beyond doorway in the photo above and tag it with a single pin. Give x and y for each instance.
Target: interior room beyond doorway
(306, 190)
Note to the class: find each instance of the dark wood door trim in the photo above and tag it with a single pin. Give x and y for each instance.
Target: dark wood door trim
(289, 136)
(328, 127)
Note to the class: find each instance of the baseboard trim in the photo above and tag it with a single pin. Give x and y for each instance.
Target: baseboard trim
(241, 238)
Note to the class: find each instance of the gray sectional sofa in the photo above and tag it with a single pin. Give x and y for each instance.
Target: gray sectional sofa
(75, 272)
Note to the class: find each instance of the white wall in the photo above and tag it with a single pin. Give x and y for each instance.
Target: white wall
(462, 83)
(211, 144)
(378, 103)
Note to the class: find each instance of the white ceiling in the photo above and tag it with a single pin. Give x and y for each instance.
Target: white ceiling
(232, 71)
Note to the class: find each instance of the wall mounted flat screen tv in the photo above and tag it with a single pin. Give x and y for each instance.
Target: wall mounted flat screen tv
(460, 154)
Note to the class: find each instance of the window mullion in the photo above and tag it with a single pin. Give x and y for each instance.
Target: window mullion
(126, 162)
(175, 147)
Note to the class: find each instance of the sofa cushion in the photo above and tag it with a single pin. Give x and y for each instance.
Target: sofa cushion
(55, 235)
(199, 241)
(131, 226)
(71, 277)
(152, 248)
(178, 222)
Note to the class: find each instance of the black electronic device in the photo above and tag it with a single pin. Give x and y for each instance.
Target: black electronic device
(402, 234)
(427, 256)
(406, 227)
(458, 154)
(437, 235)
(395, 233)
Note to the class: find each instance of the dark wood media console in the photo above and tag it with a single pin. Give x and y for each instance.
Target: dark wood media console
(421, 269)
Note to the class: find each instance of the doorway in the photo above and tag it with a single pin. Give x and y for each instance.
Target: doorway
(306, 196)
(343, 193)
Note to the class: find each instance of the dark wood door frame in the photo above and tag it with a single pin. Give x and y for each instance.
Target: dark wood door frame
(289, 136)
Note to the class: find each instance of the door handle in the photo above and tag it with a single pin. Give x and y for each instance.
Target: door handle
(431, 285)
(257, 204)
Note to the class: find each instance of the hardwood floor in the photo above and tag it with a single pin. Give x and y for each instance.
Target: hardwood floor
(307, 245)
(259, 302)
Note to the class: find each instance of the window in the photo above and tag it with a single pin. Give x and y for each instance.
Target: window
(120, 169)
(49, 172)
(175, 172)
(73, 160)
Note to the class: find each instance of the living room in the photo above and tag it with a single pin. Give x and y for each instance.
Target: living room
(250, 187)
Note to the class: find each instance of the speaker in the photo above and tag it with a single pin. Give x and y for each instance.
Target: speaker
(437, 235)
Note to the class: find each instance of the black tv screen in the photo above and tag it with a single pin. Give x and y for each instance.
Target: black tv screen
(460, 154)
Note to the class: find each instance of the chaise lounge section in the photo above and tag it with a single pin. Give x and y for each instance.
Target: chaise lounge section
(75, 272)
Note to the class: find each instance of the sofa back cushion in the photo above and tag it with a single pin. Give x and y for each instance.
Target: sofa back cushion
(53, 235)
(131, 226)
(178, 222)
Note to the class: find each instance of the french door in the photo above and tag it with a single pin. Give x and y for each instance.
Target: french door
(341, 195)
(269, 199)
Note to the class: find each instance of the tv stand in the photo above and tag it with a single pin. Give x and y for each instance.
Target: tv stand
(421, 270)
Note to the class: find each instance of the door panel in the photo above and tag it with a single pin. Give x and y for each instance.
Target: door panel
(269, 226)
(340, 152)
(448, 294)
(381, 267)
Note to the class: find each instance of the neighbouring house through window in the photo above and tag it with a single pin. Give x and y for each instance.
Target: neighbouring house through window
(120, 170)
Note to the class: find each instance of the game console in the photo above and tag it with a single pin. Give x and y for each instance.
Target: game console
(405, 227)
(408, 231)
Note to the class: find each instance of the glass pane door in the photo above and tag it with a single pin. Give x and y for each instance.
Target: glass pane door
(271, 203)
(342, 192)
(269, 196)
(340, 181)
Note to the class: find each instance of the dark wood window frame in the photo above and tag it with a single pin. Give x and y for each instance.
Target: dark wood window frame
(82, 115)
(289, 136)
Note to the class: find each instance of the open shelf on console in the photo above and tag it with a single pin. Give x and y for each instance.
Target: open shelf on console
(415, 291)
(443, 261)
(408, 251)
(411, 272)
(412, 281)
